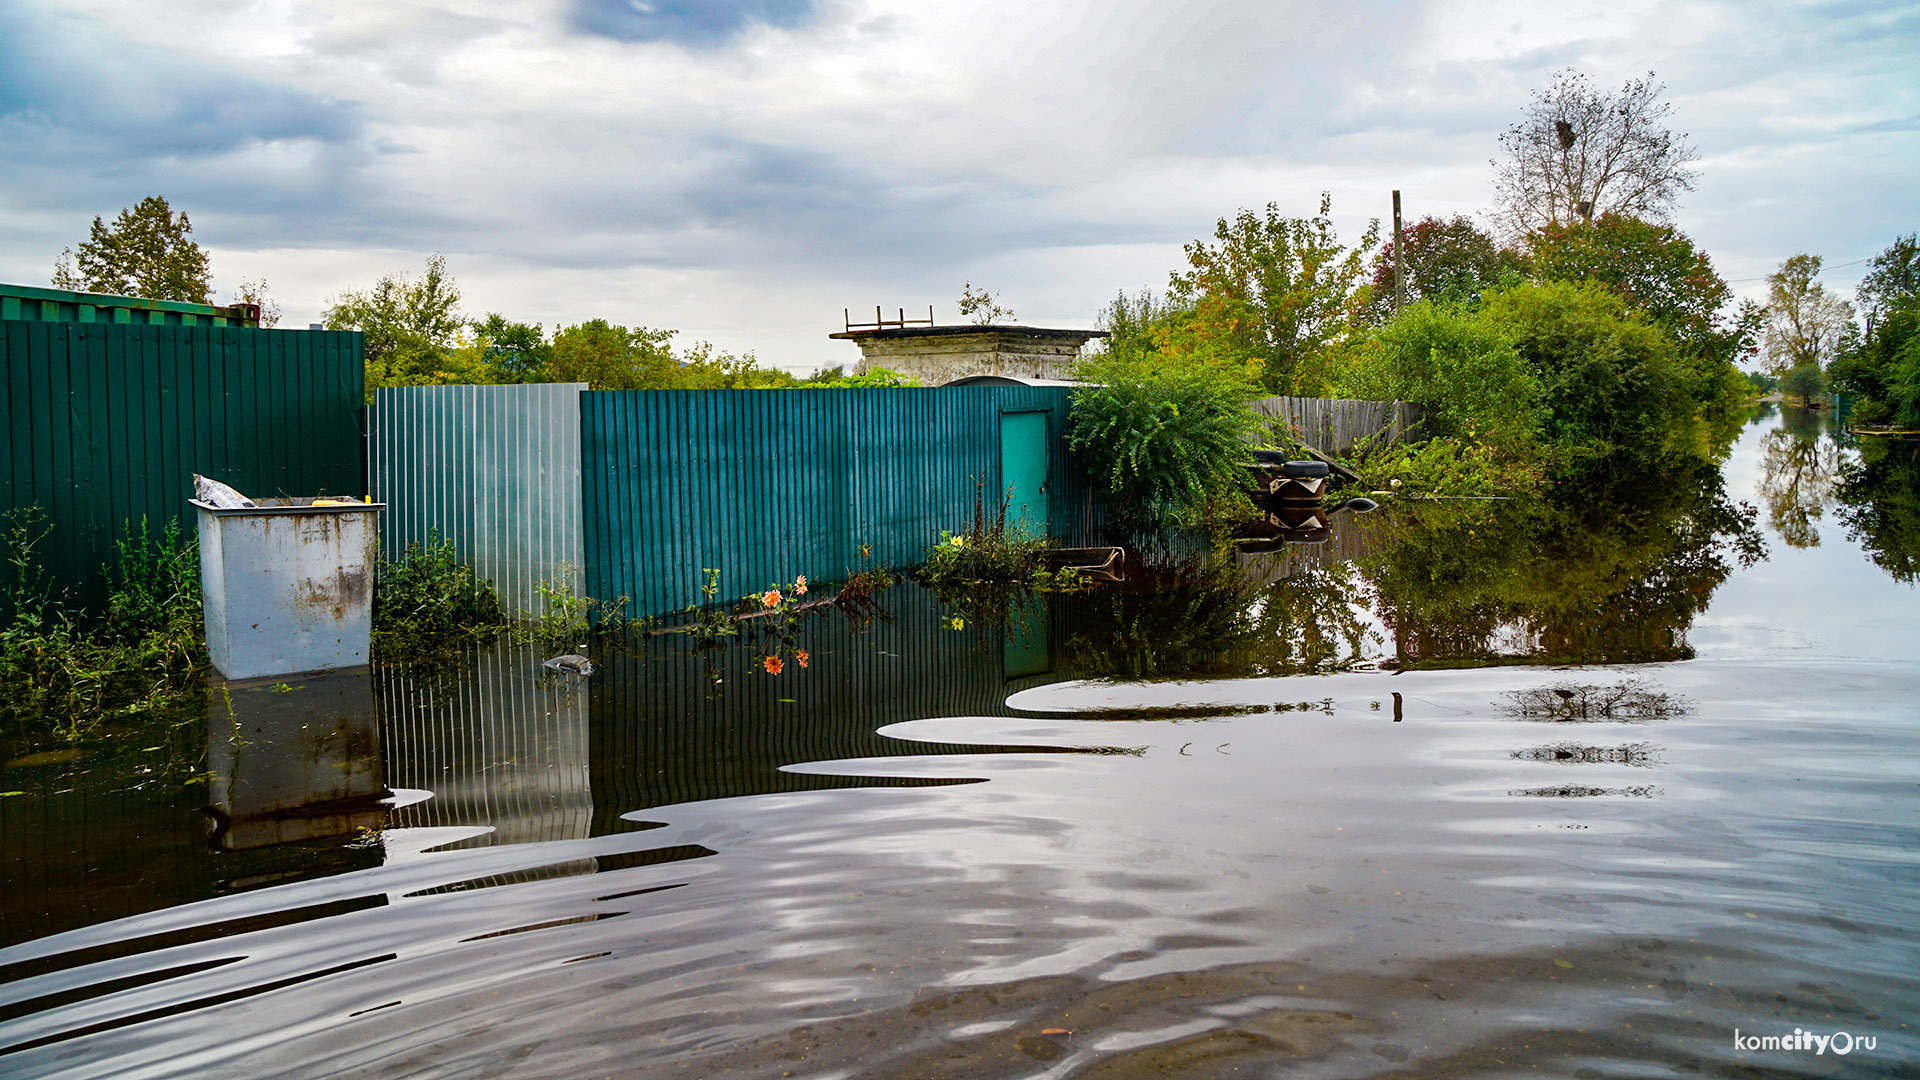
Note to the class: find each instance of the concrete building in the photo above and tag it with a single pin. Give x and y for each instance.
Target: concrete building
(936, 355)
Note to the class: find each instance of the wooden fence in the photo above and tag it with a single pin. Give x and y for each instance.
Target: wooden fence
(1334, 425)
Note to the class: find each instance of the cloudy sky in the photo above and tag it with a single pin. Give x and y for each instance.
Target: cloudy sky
(742, 170)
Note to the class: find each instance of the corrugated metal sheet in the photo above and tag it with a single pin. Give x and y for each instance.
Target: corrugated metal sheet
(495, 469)
(107, 423)
(59, 305)
(764, 485)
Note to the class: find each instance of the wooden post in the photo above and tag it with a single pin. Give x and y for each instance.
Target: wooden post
(1399, 258)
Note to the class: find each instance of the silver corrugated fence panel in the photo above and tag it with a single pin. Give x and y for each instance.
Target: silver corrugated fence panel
(493, 469)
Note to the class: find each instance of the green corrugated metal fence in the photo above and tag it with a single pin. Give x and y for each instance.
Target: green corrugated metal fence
(766, 484)
(58, 305)
(107, 423)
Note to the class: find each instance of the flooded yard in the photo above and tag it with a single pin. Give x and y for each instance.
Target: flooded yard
(1591, 789)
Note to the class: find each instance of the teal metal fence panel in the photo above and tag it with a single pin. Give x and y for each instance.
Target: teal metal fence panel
(764, 485)
(107, 423)
(493, 469)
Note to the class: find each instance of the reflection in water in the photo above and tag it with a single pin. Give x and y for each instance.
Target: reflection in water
(1802, 466)
(845, 868)
(1879, 497)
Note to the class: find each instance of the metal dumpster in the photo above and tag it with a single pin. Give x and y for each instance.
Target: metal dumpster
(287, 586)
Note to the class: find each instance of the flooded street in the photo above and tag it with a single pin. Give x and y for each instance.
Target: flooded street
(1467, 790)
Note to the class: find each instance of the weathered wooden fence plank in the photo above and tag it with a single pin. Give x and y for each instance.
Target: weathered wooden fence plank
(1335, 425)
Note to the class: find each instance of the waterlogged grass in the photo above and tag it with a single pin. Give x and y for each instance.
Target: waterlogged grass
(69, 676)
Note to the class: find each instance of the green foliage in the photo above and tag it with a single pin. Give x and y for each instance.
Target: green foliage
(1804, 383)
(1275, 296)
(1805, 323)
(511, 352)
(982, 307)
(1462, 367)
(1611, 378)
(567, 617)
(1658, 272)
(429, 600)
(1448, 467)
(65, 676)
(836, 378)
(1893, 278)
(1882, 371)
(992, 549)
(147, 251)
(1449, 261)
(412, 328)
(1762, 383)
(1161, 440)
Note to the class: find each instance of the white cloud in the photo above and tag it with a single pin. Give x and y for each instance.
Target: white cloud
(745, 179)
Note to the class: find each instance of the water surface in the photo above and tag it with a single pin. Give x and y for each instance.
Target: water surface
(1472, 790)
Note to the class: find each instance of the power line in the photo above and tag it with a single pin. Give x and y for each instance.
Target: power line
(1835, 266)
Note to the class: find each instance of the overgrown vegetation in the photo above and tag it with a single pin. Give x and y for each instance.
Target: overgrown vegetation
(993, 549)
(1164, 439)
(429, 602)
(66, 675)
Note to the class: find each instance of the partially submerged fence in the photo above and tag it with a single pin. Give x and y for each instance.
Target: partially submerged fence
(108, 422)
(759, 485)
(495, 470)
(1334, 425)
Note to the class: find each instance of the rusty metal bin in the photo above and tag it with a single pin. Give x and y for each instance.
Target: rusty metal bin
(287, 586)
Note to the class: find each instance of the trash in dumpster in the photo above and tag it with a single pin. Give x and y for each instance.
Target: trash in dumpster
(218, 495)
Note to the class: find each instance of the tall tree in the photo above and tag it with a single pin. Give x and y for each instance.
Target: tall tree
(148, 251)
(1805, 323)
(1579, 152)
(609, 357)
(411, 324)
(1893, 278)
(1276, 294)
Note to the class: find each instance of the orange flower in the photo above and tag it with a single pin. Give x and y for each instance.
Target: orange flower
(800, 655)
(800, 585)
(772, 664)
(771, 598)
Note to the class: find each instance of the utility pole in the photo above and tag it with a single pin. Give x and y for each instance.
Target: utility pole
(1399, 258)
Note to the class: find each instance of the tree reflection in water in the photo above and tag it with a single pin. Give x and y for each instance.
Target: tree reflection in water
(1611, 567)
(1879, 503)
(1802, 464)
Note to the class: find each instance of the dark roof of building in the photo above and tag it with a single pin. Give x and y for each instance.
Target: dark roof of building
(955, 331)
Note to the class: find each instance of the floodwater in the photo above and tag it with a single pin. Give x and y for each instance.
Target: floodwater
(1590, 789)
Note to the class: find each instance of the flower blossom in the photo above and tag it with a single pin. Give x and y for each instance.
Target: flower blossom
(771, 598)
(800, 655)
(800, 585)
(772, 664)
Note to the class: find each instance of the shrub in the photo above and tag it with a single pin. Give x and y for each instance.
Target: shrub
(1804, 382)
(993, 549)
(1462, 367)
(1163, 441)
(429, 598)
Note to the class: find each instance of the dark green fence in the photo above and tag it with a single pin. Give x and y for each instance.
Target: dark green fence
(107, 423)
(766, 484)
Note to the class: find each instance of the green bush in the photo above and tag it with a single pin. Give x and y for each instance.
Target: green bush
(1163, 442)
(1804, 382)
(428, 599)
(1611, 378)
(993, 550)
(1463, 369)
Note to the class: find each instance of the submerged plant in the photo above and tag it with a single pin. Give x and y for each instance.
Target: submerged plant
(429, 599)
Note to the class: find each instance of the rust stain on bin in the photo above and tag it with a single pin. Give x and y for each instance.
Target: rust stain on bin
(288, 586)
